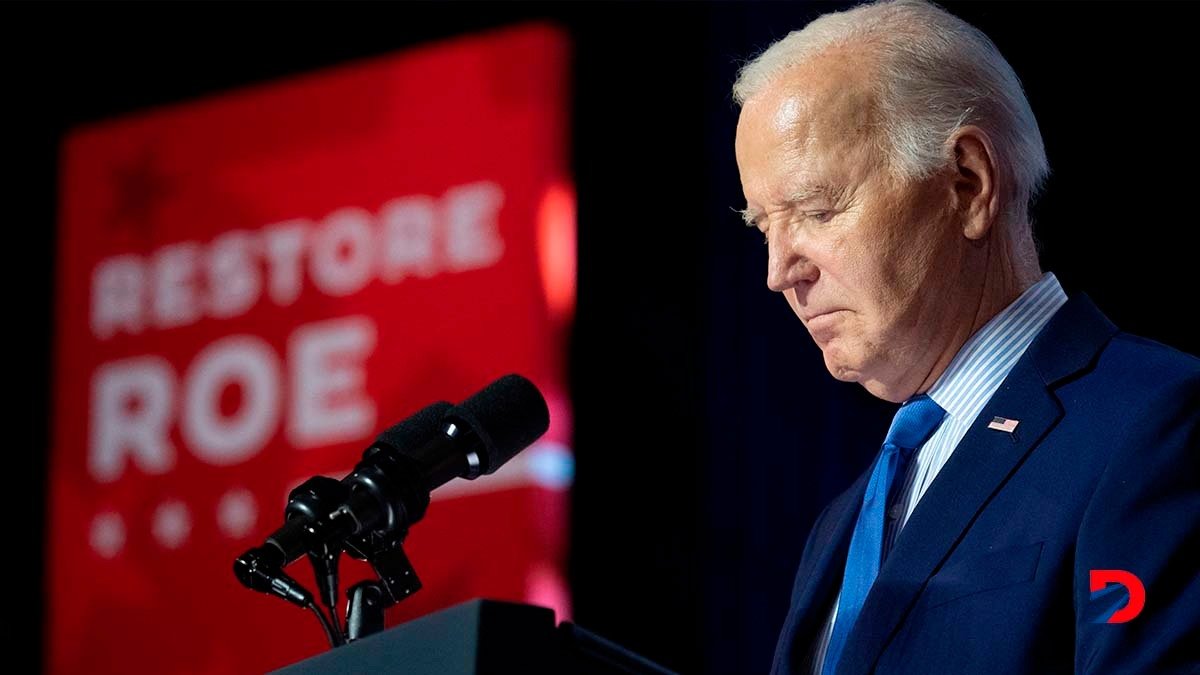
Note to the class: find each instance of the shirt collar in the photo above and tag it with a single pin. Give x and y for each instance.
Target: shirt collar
(988, 355)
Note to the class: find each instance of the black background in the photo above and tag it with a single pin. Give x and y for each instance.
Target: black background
(708, 434)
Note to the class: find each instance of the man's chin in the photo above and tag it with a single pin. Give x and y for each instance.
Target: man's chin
(854, 373)
(840, 368)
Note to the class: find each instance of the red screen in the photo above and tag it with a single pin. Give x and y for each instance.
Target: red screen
(250, 288)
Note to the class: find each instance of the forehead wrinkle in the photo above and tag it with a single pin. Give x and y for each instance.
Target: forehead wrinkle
(809, 191)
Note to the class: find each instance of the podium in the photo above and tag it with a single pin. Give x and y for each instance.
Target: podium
(480, 637)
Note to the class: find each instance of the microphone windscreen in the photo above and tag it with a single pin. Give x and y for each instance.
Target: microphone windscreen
(507, 415)
(417, 429)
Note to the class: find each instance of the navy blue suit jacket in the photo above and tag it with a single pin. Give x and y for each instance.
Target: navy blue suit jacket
(991, 572)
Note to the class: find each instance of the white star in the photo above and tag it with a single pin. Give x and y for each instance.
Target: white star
(107, 535)
(172, 524)
(237, 513)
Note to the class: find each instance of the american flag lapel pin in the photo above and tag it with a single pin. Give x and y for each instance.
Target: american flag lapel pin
(1003, 424)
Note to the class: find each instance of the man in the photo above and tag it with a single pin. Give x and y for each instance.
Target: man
(888, 155)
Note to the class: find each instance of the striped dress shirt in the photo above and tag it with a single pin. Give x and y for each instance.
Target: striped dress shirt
(962, 391)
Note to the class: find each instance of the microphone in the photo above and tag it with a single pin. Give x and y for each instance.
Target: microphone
(389, 489)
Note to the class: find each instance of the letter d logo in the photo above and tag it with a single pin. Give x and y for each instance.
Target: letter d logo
(1118, 595)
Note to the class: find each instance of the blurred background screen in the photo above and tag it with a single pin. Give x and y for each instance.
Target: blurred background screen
(251, 285)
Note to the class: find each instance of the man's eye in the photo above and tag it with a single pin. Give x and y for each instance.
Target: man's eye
(821, 216)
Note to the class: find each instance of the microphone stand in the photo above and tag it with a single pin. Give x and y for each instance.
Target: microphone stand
(369, 599)
(383, 550)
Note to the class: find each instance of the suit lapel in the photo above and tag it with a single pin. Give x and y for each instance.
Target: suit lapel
(979, 467)
(819, 578)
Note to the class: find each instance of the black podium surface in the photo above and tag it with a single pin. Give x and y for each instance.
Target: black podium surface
(480, 637)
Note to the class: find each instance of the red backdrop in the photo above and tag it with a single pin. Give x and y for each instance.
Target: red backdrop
(251, 287)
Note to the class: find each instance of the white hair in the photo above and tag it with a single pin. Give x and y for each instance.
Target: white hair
(933, 74)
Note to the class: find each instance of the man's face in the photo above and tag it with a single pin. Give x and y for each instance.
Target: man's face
(867, 261)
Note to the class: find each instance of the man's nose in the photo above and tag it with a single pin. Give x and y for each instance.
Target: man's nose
(787, 266)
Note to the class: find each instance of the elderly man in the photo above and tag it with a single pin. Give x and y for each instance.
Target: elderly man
(888, 156)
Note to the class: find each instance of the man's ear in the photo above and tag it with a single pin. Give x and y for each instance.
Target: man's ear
(976, 181)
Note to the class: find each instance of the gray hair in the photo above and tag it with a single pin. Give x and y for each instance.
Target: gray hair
(935, 73)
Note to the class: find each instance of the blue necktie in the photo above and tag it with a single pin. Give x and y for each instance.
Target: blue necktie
(913, 424)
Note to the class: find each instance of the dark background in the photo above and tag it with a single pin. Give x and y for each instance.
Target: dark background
(709, 434)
